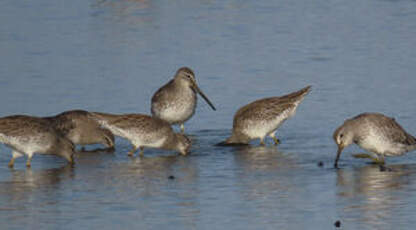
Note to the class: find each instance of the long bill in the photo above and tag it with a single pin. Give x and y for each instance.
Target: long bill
(340, 148)
(198, 90)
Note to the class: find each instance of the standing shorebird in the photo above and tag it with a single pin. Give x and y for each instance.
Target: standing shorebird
(81, 129)
(144, 131)
(29, 135)
(175, 102)
(376, 133)
(262, 117)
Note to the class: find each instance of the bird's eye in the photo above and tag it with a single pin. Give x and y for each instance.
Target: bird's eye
(341, 135)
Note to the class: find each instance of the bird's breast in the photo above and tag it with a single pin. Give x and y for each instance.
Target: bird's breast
(178, 108)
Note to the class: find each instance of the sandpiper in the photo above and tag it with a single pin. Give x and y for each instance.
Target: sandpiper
(262, 117)
(175, 102)
(376, 133)
(29, 135)
(81, 129)
(144, 131)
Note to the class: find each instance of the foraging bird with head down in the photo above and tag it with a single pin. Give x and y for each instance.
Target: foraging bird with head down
(176, 101)
(81, 129)
(144, 131)
(27, 135)
(261, 118)
(376, 133)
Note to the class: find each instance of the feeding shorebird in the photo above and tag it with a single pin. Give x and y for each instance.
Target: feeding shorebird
(175, 102)
(29, 135)
(144, 131)
(376, 133)
(261, 118)
(81, 129)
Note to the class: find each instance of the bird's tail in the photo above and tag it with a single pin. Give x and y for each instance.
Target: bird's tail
(300, 93)
(411, 142)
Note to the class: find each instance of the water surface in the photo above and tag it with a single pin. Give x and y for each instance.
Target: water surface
(111, 56)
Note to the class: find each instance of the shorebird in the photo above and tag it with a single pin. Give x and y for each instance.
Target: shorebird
(144, 131)
(175, 102)
(29, 135)
(81, 129)
(376, 133)
(262, 117)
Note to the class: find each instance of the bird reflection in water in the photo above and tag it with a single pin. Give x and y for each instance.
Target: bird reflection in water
(264, 158)
(372, 195)
(147, 178)
(265, 172)
(34, 185)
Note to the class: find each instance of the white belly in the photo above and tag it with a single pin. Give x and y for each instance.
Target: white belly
(158, 143)
(24, 145)
(377, 144)
(260, 129)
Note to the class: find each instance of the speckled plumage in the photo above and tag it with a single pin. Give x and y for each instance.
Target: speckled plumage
(262, 117)
(375, 133)
(81, 129)
(29, 135)
(176, 101)
(144, 131)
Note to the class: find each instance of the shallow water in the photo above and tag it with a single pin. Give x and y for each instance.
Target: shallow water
(111, 56)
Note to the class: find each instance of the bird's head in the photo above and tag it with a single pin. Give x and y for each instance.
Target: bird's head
(186, 76)
(343, 137)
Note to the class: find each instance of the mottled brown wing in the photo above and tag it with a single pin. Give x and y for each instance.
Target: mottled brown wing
(262, 110)
(394, 131)
(18, 124)
(62, 123)
(126, 121)
(273, 105)
(159, 97)
(137, 121)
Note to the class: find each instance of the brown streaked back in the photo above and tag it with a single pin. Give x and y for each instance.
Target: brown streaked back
(125, 121)
(386, 126)
(269, 108)
(16, 125)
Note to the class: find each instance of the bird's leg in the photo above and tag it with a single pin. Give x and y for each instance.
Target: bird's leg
(132, 151)
(29, 159)
(262, 143)
(108, 143)
(15, 154)
(182, 128)
(273, 136)
(141, 151)
(362, 155)
(379, 160)
(11, 163)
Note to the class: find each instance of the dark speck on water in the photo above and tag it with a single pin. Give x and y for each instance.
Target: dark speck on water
(337, 223)
(112, 55)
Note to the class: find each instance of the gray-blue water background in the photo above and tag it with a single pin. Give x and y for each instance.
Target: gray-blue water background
(112, 55)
